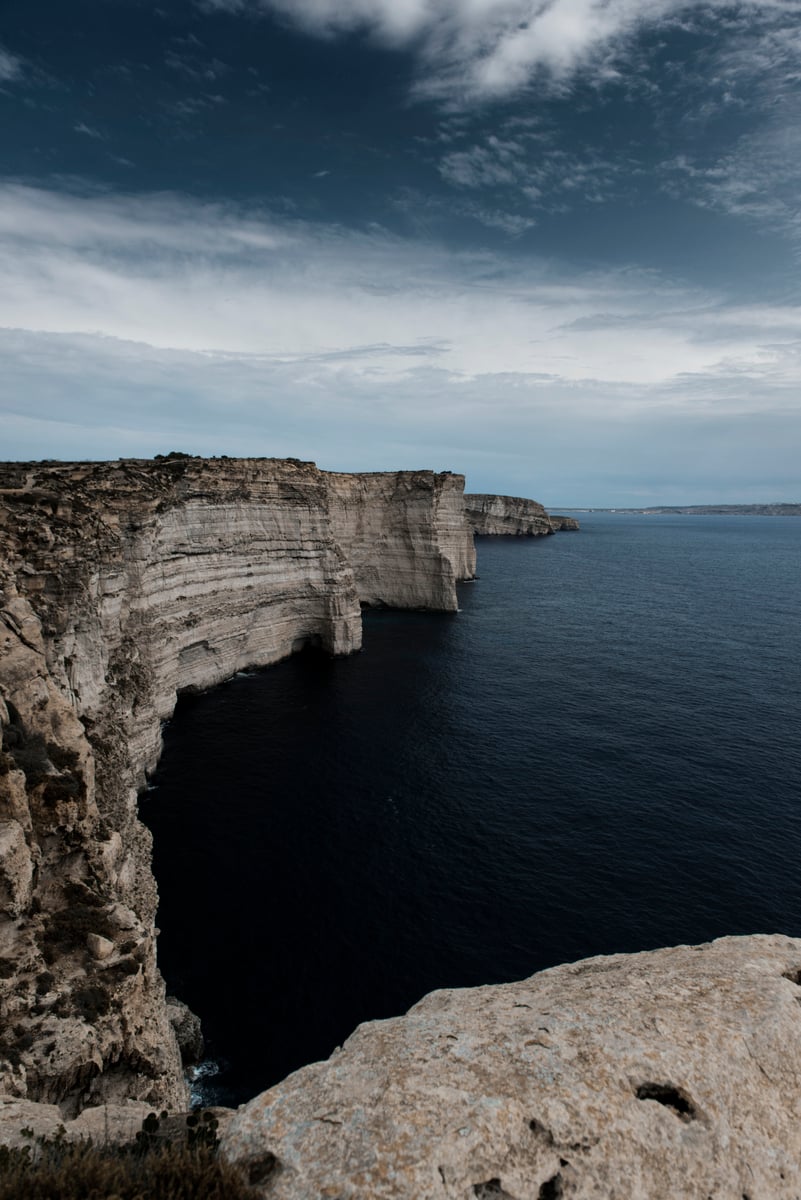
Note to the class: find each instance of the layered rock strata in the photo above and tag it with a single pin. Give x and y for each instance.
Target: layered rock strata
(512, 516)
(405, 536)
(122, 584)
(558, 522)
(668, 1075)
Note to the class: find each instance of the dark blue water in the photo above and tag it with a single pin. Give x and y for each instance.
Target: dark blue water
(599, 753)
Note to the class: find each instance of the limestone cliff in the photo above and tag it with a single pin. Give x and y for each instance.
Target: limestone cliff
(668, 1075)
(405, 536)
(512, 515)
(559, 522)
(122, 584)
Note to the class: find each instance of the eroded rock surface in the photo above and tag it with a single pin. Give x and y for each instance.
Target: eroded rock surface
(405, 535)
(559, 522)
(122, 584)
(666, 1075)
(23, 1122)
(512, 516)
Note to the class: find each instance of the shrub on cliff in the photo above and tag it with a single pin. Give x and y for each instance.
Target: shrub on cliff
(80, 1171)
(67, 929)
(55, 1169)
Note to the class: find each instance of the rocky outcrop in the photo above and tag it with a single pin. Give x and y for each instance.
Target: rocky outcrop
(558, 523)
(23, 1122)
(511, 515)
(668, 1075)
(122, 584)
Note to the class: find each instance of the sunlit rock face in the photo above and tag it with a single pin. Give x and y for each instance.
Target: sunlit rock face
(511, 516)
(122, 584)
(667, 1075)
(405, 536)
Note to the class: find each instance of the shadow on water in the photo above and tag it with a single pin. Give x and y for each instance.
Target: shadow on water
(593, 756)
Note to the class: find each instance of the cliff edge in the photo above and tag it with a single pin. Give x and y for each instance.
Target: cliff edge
(512, 516)
(667, 1075)
(122, 584)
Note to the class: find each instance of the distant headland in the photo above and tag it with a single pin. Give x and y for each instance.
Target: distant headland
(702, 510)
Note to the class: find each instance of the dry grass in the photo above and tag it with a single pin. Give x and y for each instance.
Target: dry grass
(60, 1170)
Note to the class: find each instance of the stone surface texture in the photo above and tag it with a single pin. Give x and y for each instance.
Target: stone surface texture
(405, 536)
(122, 584)
(512, 516)
(101, 1124)
(559, 522)
(667, 1075)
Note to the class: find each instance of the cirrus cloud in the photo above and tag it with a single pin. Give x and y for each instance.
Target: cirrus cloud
(491, 48)
(10, 66)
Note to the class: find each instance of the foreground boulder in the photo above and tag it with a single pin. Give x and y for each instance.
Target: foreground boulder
(668, 1074)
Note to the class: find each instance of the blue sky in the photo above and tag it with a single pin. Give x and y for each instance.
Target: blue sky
(552, 245)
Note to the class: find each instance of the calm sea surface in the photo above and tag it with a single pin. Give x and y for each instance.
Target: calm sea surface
(601, 752)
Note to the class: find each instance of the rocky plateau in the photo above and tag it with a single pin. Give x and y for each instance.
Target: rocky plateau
(666, 1075)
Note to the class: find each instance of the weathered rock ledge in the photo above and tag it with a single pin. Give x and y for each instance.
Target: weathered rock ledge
(512, 516)
(667, 1075)
(122, 584)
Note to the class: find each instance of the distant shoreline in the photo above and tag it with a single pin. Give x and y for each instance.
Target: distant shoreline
(727, 510)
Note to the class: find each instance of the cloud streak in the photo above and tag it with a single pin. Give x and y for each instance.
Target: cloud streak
(181, 274)
(492, 48)
(10, 66)
(758, 180)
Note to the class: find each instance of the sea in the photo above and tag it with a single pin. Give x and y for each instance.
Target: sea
(599, 753)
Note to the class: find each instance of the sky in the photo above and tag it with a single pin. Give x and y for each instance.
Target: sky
(551, 244)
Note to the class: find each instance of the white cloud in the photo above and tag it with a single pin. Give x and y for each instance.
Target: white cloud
(195, 67)
(185, 275)
(88, 130)
(101, 223)
(487, 48)
(133, 325)
(759, 179)
(535, 175)
(493, 164)
(10, 66)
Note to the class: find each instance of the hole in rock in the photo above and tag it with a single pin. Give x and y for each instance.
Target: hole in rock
(263, 1169)
(491, 1190)
(794, 975)
(671, 1097)
(551, 1189)
(541, 1130)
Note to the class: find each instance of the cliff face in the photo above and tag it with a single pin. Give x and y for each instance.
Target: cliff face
(512, 515)
(667, 1075)
(559, 522)
(405, 535)
(122, 584)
